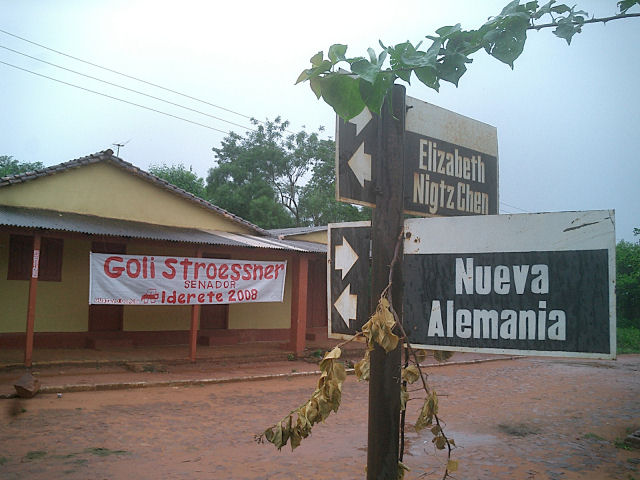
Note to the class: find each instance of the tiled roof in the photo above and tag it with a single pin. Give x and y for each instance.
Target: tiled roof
(285, 232)
(108, 156)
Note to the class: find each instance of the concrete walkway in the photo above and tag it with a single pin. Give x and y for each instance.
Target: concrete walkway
(70, 370)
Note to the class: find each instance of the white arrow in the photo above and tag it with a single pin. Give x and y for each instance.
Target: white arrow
(360, 163)
(361, 120)
(345, 257)
(347, 306)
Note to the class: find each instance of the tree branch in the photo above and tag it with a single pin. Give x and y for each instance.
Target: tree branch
(591, 20)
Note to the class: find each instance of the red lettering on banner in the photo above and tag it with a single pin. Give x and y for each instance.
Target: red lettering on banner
(201, 297)
(247, 272)
(185, 267)
(211, 266)
(130, 272)
(268, 272)
(278, 268)
(181, 298)
(235, 271)
(115, 271)
(197, 267)
(222, 271)
(169, 263)
(258, 269)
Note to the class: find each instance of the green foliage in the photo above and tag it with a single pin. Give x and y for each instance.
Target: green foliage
(264, 178)
(11, 166)
(369, 80)
(628, 284)
(628, 340)
(249, 172)
(318, 204)
(179, 176)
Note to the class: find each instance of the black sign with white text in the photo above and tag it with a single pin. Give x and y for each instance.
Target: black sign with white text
(441, 178)
(544, 301)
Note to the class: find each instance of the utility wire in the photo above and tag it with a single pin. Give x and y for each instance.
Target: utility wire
(131, 77)
(125, 88)
(513, 206)
(115, 98)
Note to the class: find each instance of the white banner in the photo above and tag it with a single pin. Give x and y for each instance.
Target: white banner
(150, 280)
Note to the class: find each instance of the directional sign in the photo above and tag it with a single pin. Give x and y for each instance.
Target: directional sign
(450, 162)
(534, 284)
(348, 277)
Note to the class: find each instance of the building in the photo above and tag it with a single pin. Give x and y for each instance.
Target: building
(103, 204)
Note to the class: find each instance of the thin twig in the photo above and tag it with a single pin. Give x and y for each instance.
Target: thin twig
(590, 20)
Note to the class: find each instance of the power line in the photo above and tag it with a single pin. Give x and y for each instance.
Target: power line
(125, 88)
(115, 98)
(131, 77)
(513, 206)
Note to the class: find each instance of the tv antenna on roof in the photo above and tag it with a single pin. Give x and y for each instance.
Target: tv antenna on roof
(118, 145)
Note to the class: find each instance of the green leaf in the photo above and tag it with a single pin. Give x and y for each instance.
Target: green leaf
(505, 41)
(373, 94)
(445, 32)
(316, 86)
(316, 60)
(452, 67)
(303, 76)
(337, 52)
(365, 70)
(428, 76)
(625, 5)
(372, 55)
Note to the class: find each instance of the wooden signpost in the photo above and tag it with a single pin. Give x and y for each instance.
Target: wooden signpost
(470, 281)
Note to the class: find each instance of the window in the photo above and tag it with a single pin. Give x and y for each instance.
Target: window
(21, 258)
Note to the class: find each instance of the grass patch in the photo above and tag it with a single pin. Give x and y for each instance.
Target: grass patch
(3, 460)
(518, 430)
(35, 455)
(105, 452)
(620, 443)
(593, 436)
(628, 340)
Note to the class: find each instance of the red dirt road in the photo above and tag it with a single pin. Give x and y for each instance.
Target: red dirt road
(521, 419)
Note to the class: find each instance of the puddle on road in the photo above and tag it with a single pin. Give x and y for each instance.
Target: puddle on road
(417, 446)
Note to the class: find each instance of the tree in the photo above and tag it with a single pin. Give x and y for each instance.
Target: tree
(262, 176)
(11, 166)
(179, 176)
(369, 80)
(318, 202)
(628, 282)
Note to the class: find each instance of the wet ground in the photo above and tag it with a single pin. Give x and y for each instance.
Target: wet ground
(531, 418)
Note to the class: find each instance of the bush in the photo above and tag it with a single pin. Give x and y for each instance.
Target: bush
(628, 340)
(628, 284)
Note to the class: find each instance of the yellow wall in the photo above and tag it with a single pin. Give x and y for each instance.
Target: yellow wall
(106, 190)
(14, 294)
(318, 237)
(61, 306)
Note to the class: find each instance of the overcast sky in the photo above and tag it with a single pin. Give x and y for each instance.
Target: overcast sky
(567, 116)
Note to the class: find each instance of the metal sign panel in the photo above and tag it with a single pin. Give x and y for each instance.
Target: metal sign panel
(348, 277)
(450, 162)
(534, 284)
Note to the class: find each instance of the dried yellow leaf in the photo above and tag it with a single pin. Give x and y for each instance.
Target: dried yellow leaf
(410, 374)
(363, 368)
(452, 465)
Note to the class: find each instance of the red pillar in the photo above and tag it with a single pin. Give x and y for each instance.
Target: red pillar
(299, 292)
(195, 317)
(31, 309)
